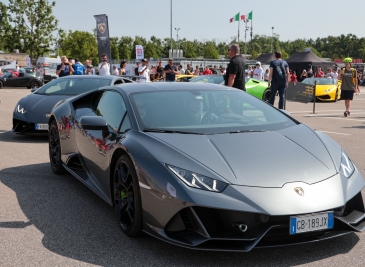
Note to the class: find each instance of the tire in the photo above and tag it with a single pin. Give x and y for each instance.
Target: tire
(266, 95)
(336, 96)
(34, 84)
(1, 85)
(55, 149)
(127, 197)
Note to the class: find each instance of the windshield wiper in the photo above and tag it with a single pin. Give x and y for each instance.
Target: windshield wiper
(152, 130)
(247, 131)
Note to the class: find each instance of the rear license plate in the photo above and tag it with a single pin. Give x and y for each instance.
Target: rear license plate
(311, 222)
(41, 126)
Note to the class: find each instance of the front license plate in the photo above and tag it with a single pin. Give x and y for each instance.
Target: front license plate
(309, 223)
(41, 126)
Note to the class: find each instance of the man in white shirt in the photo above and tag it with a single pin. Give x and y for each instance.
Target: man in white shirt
(144, 72)
(181, 70)
(104, 66)
(334, 74)
(258, 72)
(115, 71)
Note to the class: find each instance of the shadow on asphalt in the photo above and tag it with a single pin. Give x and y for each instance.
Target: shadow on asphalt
(77, 224)
(9, 136)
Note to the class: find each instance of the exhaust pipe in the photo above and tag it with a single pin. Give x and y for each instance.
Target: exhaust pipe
(242, 227)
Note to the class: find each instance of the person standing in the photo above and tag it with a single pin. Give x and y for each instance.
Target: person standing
(78, 67)
(197, 71)
(136, 72)
(207, 71)
(104, 66)
(349, 84)
(64, 69)
(181, 70)
(235, 73)
(115, 71)
(87, 63)
(266, 75)
(122, 70)
(319, 73)
(334, 74)
(40, 70)
(293, 78)
(144, 72)
(90, 70)
(188, 70)
(170, 71)
(309, 73)
(159, 70)
(214, 71)
(278, 79)
(258, 72)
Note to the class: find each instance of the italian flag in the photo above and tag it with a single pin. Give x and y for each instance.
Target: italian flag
(248, 17)
(235, 18)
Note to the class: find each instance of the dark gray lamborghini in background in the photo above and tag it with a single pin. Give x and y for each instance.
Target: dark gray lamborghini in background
(206, 167)
(32, 112)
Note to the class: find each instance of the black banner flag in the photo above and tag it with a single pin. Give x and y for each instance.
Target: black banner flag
(102, 33)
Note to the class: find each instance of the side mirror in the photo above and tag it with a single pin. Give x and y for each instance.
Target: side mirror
(93, 123)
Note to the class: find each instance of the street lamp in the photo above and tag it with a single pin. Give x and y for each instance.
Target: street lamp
(171, 27)
(177, 42)
(272, 37)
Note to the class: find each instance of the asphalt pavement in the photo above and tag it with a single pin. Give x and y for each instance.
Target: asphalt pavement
(51, 220)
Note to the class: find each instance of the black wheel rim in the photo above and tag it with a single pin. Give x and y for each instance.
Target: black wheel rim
(35, 85)
(124, 195)
(54, 148)
(267, 96)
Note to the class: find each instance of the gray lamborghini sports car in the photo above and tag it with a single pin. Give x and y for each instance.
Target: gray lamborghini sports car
(206, 167)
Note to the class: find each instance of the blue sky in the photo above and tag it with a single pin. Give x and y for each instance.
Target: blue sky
(209, 19)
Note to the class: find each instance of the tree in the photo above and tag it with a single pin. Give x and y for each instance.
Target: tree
(79, 44)
(125, 47)
(150, 50)
(5, 40)
(114, 49)
(32, 26)
(210, 51)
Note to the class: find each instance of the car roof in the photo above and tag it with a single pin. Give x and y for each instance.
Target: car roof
(108, 77)
(164, 86)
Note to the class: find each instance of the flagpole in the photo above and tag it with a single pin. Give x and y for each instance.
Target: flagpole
(251, 34)
(239, 21)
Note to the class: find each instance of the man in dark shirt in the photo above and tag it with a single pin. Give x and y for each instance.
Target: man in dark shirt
(235, 73)
(170, 71)
(136, 69)
(64, 68)
(159, 70)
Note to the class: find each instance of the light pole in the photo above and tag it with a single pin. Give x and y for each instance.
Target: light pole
(272, 37)
(246, 29)
(177, 42)
(171, 28)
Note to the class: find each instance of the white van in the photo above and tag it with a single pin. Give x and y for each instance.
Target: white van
(7, 64)
(50, 64)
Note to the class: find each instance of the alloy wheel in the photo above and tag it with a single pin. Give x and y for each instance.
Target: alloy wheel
(124, 199)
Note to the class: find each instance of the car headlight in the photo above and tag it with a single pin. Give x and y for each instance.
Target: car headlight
(20, 109)
(347, 167)
(198, 181)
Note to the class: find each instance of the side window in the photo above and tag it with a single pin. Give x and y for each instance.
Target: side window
(118, 82)
(126, 125)
(127, 81)
(111, 106)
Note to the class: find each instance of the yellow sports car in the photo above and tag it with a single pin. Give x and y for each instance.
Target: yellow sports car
(327, 89)
(184, 78)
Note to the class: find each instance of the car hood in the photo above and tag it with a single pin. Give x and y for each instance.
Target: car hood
(38, 103)
(260, 159)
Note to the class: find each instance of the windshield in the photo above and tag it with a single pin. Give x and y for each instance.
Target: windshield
(206, 112)
(72, 86)
(208, 79)
(320, 81)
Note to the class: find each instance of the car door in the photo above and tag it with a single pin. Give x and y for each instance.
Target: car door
(94, 148)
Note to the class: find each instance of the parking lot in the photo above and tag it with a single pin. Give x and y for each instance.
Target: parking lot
(50, 220)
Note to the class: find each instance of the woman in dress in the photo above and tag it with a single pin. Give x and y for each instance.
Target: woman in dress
(122, 71)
